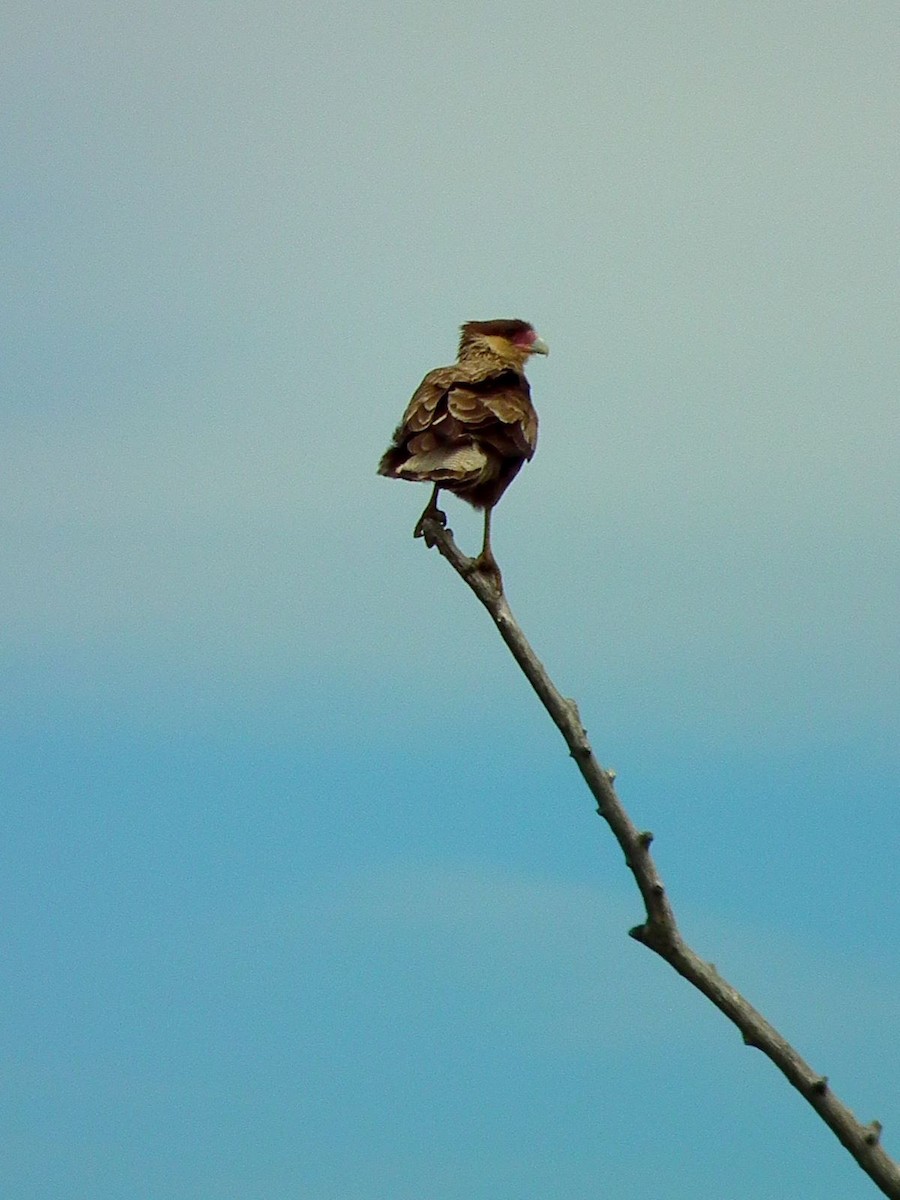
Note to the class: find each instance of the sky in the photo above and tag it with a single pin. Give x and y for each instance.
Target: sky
(302, 895)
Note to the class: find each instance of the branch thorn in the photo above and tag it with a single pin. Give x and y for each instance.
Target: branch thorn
(873, 1133)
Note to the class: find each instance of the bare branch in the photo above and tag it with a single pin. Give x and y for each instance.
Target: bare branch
(659, 931)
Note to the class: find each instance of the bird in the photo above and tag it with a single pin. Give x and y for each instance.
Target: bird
(469, 427)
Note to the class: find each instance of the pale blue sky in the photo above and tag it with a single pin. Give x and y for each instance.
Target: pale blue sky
(302, 895)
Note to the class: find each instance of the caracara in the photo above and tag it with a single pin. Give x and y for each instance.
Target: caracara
(470, 427)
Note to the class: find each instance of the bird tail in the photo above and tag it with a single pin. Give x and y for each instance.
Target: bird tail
(444, 464)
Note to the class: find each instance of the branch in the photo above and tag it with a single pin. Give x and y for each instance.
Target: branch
(659, 931)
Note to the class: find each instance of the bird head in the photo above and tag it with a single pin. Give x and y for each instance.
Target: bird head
(510, 340)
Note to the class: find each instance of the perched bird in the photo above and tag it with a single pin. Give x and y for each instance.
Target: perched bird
(470, 427)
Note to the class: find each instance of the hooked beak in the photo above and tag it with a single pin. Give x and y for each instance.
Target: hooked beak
(539, 346)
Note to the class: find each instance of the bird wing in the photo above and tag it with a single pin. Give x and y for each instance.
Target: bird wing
(458, 403)
(462, 423)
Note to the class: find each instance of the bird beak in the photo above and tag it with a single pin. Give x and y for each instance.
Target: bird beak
(539, 346)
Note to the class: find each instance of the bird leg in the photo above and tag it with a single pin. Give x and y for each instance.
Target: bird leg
(431, 513)
(485, 563)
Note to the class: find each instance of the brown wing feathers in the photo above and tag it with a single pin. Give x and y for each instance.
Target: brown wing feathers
(465, 433)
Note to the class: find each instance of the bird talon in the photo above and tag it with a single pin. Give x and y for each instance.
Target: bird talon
(486, 566)
(430, 540)
(430, 514)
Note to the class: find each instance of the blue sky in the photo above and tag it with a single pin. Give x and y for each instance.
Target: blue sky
(302, 896)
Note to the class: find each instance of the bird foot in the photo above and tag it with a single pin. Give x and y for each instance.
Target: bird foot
(430, 514)
(486, 566)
